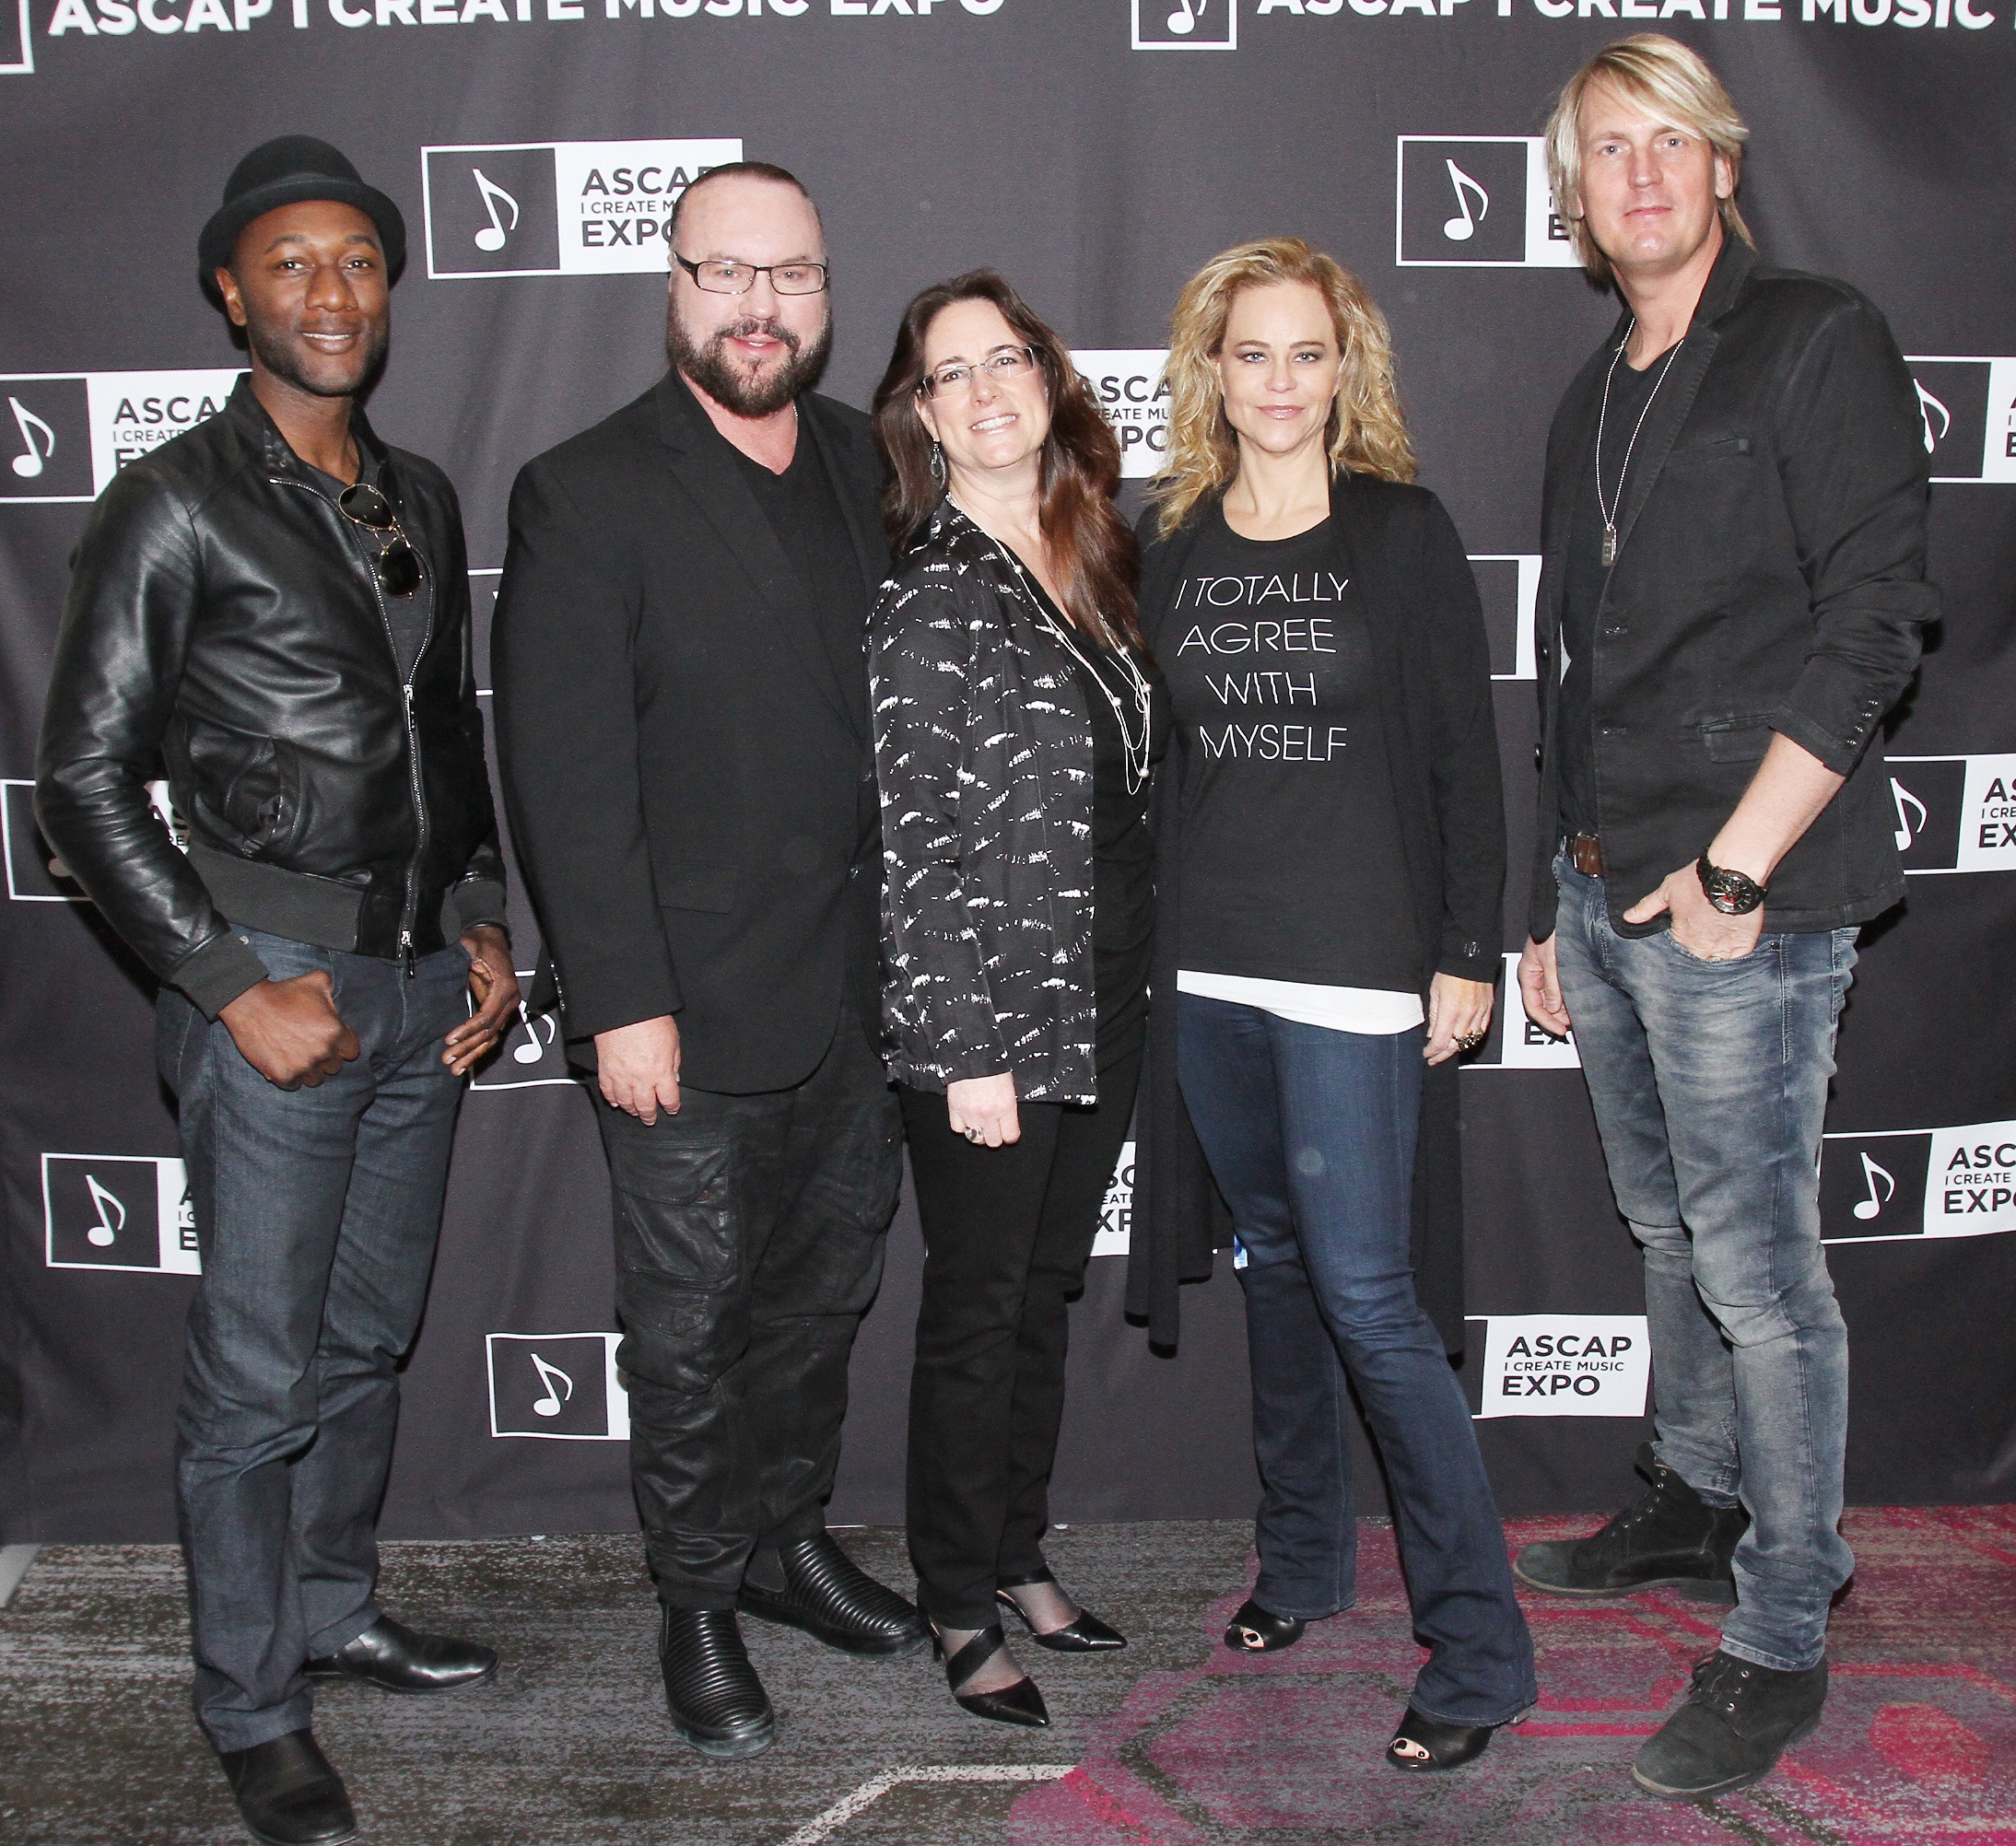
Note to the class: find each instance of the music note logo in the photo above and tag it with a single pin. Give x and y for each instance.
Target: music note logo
(492, 236)
(1928, 406)
(105, 1232)
(1906, 833)
(30, 464)
(1871, 1206)
(532, 1050)
(1463, 226)
(560, 1388)
(1183, 21)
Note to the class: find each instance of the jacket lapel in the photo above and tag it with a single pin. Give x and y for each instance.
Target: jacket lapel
(857, 480)
(714, 483)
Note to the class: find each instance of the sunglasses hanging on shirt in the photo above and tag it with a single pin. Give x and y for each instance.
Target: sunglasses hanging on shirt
(398, 563)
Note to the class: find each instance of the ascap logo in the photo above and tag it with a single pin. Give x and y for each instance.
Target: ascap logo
(68, 433)
(1115, 1234)
(1919, 1183)
(118, 1211)
(532, 1056)
(1955, 813)
(1133, 396)
(558, 208)
(1477, 202)
(563, 1386)
(1186, 25)
(35, 875)
(1967, 416)
(1564, 1365)
(17, 41)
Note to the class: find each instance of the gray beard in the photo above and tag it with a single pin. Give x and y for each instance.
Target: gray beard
(710, 367)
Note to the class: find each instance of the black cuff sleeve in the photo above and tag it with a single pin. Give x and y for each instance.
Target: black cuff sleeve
(214, 975)
(473, 901)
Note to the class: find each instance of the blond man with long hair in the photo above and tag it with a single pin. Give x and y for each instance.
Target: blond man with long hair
(1731, 600)
(1330, 853)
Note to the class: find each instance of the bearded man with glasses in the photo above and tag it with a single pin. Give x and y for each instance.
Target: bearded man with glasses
(682, 707)
(278, 605)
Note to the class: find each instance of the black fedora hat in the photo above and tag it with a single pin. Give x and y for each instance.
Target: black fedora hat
(290, 171)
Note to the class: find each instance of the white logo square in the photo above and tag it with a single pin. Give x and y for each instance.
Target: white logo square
(118, 1211)
(1565, 1365)
(1186, 25)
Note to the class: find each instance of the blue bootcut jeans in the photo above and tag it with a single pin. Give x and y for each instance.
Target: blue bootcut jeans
(1710, 1085)
(316, 1214)
(1310, 1135)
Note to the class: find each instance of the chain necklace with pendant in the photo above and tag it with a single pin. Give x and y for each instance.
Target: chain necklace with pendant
(1609, 512)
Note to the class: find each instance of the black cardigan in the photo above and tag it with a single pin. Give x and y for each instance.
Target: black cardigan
(1433, 671)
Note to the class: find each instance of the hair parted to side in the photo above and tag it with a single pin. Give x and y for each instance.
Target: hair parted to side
(1670, 81)
(1367, 431)
(738, 170)
(1093, 548)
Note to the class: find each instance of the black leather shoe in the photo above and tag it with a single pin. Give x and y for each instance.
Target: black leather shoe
(396, 1659)
(1253, 1630)
(287, 1795)
(1671, 1538)
(829, 1596)
(1422, 1746)
(717, 1702)
(1021, 1704)
(1084, 1633)
(1738, 1720)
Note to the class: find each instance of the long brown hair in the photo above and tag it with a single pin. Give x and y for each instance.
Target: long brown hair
(1095, 552)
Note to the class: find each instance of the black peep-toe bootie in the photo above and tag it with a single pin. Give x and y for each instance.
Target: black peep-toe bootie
(1421, 1746)
(1253, 1630)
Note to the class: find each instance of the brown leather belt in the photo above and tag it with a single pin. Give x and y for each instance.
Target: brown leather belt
(1586, 854)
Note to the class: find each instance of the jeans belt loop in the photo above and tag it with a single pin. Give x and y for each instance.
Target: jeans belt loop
(1586, 854)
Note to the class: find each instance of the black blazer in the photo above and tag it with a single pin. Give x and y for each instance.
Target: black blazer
(1770, 577)
(1433, 671)
(690, 783)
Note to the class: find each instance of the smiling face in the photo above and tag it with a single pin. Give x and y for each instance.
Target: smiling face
(1279, 367)
(1649, 189)
(307, 284)
(752, 353)
(993, 423)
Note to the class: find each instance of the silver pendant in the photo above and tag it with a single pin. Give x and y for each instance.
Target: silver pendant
(1609, 546)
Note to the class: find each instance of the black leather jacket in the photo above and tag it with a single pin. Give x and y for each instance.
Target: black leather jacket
(223, 619)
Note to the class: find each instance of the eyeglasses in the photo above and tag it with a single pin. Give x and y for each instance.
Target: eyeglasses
(398, 563)
(1012, 362)
(719, 276)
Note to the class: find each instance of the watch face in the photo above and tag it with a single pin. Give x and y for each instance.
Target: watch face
(1732, 892)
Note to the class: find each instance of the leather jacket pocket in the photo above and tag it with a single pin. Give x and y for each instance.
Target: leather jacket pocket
(245, 789)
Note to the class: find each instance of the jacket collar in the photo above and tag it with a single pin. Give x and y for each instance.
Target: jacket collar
(276, 455)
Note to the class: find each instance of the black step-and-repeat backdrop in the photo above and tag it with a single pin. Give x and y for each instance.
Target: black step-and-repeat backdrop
(1097, 151)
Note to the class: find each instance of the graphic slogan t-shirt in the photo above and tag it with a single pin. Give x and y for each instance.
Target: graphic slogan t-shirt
(1290, 867)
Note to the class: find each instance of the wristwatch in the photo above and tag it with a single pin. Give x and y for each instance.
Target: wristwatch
(1734, 893)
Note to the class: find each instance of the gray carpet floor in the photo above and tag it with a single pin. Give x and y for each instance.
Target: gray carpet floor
(569, 1746)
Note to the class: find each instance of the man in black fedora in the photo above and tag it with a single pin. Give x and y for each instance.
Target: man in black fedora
(276, 604)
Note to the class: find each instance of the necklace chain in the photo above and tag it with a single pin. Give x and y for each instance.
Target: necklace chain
(1609, 512)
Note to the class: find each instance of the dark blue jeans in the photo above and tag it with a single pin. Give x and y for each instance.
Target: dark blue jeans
(316, 1213)
(1310, 1135)
(1710, 1085)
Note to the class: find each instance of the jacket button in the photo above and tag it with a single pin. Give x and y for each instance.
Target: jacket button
(1615, 629)
(1536, 756)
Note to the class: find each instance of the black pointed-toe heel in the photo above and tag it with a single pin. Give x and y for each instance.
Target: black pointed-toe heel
(1021, 1704)
(1421, 1746)
(1253, 1630)
(1084, 1633)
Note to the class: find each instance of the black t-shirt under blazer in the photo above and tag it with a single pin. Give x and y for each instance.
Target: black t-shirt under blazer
(683, 738)
(1770, 578)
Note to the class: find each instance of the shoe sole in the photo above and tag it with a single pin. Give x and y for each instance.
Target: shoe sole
(832, 1638)
(488, 1674)
(1734, 1782)
(267, 1838)
(1695, 1589)
(728, 1749)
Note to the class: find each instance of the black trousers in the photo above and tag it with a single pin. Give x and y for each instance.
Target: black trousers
(749, 1238)
(1007, 1234)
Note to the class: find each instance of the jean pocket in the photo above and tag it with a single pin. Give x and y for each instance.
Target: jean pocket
(1688, 955)
(676, 1215)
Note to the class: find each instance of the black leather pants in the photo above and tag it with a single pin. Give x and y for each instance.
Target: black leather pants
(749, 1239)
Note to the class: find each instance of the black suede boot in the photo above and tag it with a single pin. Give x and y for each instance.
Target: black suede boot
(1739, 1718)
(1670, 1539)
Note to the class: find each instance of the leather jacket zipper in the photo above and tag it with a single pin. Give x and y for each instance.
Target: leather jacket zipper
(409, 909)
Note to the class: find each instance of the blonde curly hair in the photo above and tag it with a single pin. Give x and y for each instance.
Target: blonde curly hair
(1366, 432)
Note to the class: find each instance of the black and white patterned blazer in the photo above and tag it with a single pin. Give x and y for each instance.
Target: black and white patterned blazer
(983, 753)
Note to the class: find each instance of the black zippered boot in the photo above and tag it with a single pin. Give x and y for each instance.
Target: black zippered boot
(1738, 1719)
(1671, 1538)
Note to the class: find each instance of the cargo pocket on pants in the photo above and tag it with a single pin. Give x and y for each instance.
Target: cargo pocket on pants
(679, 1288)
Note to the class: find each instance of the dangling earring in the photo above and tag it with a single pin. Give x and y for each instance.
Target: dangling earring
(938, 463)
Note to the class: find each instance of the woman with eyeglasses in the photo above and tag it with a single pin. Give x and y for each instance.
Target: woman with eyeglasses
(1017, 722)
(1332, 852)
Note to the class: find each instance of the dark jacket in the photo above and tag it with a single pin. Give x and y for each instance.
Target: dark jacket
(690, 786)
(1432, 666)
(221, 616)
(983, 751)
(1770, 577)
